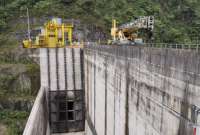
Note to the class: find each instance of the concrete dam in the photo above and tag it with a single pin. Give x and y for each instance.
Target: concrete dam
(117, 90)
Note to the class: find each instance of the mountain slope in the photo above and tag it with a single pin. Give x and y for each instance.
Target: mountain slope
(176, 20)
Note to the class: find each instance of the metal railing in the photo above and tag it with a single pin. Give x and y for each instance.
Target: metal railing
(155, 45)
(174, 45)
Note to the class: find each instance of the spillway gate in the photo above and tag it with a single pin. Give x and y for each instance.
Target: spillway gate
(62, 75)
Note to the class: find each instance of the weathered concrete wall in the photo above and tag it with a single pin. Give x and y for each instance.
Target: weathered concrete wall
(132, 90)
(62, 74)
(37, 123)
(61, 69)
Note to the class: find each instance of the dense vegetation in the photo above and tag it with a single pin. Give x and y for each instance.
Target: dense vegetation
(14, 120)
(176, 20)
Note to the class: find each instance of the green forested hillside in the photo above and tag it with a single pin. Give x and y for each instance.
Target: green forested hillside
(176, 20)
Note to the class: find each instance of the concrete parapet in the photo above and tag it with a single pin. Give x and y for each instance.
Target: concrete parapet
(37, 123)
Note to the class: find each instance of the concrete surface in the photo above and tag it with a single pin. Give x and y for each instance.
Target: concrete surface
(37, 123)
(61, 72)
(132, 90)
(3, 129)
(129, 90)
(73, 133)
(61, 77)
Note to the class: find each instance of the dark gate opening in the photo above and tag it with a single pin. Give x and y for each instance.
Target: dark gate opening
(66, 111)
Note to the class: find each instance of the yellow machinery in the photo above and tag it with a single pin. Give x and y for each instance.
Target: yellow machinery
(129, 32)
(54, 35)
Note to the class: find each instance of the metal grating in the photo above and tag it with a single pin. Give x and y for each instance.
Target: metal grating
(66, 111)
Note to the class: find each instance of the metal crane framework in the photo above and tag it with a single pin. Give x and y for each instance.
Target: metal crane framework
(55, 34)
(129, 32)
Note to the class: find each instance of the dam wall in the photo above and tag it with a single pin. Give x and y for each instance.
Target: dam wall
(134, 90)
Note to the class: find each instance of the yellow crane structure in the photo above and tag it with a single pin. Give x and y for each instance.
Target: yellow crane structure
(129, 32)
(55, 34)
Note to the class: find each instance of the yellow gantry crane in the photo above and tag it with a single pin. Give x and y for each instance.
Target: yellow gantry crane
(55, 34)
(129, 33)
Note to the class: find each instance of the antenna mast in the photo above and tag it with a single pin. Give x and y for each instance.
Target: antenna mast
(28, 21)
